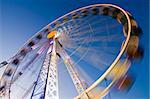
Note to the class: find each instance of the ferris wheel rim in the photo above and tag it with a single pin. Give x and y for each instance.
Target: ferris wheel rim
(118, 56)
(120, 52)
(101, 78)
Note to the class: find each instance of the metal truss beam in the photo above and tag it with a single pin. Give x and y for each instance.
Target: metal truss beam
(47, 83)
(80, 87)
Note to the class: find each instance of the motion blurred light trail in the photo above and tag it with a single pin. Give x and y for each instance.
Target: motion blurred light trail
(83, 42)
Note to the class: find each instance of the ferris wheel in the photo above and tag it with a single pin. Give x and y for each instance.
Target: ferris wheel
(98, 40)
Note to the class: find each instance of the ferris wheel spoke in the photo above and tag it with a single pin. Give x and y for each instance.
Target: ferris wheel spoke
(100, 39)
(97, 31)
(81, 51)
(28, 64)
(39, 44)
(24, 53)
(28, 91)
(98, 64)
(82, 29)
(104, 53)
(93, 38)
(77, 23)
(85, 27)
(83, 23)
(39, 52)
(81, 56)
(75, 38)
(104, 48)
(111, 50)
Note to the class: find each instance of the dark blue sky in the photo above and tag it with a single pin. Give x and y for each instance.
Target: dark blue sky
(20, 19)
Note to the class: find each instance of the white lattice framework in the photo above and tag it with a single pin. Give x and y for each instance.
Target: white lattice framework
(46, 85)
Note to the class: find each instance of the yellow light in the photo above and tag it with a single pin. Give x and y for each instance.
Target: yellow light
(51, 34)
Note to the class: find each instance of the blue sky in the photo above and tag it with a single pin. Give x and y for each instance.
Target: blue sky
(20, 19)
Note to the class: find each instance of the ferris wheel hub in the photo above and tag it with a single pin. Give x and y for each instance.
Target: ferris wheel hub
(51, 34)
